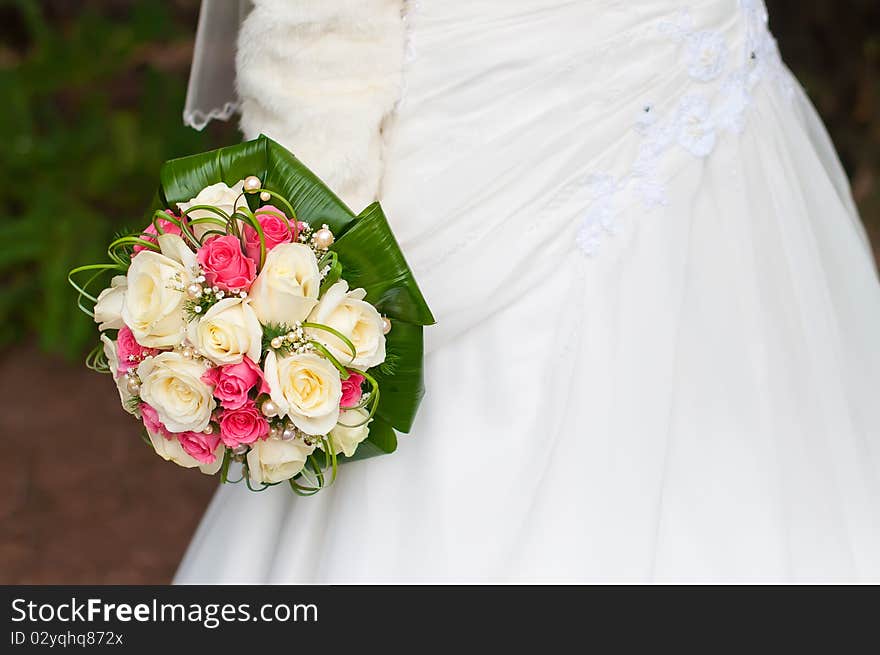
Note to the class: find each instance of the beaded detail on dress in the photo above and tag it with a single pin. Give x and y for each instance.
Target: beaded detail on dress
(716, 103)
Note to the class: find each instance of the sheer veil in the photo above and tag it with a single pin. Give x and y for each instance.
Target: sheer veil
(211, 92)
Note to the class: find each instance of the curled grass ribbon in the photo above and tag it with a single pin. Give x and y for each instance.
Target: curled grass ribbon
(96, 360)
(343, 372)
(282, 200)
(320, 481)
(336, 333)
(83, 289)
(373, 398)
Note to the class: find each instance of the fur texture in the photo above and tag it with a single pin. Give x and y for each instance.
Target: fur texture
(321, 77)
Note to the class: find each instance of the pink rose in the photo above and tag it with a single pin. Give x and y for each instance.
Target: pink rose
(233, 383)
(224, 264)
(351, 390)
(276, 230)
(199, 446)
(129, 352)
(150, 233)
(242, 426)
(151, 421)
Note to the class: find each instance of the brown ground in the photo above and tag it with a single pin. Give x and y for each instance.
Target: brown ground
(82, 498)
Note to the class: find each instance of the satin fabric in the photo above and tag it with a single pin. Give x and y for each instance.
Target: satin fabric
(692, 402)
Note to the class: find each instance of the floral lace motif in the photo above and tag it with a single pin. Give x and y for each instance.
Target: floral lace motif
(697, 122)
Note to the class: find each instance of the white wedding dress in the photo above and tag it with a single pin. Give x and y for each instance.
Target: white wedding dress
(658, 343)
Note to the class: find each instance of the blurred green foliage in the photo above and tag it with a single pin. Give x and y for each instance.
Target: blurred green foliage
(92, 97)
(92, 101)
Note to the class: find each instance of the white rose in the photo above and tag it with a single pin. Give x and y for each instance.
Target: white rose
(217, 195)
(108, 308)
(153, 308)
(287, 287)
(306, 388)
(174, 247)
(273, 460)
(125, 396)
(227, 332)
(348, 313)
(170, 450)
(352, 429)
(172, 385)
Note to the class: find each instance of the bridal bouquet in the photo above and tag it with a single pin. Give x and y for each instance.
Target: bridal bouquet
(256, 320)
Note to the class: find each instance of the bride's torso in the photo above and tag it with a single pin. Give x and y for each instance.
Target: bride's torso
(502, 136)
(516, 115)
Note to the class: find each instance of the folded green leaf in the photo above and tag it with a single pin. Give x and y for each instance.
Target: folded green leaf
(381, 441)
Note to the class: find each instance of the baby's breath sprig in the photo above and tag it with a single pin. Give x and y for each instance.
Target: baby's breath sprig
(305, 232)
(285, 339)
(132, 405)
(318, 240)
(201, 298)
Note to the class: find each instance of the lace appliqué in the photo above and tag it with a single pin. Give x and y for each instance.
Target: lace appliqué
(695, 123)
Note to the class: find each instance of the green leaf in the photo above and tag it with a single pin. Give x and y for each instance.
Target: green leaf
(388, 280)
(312, 201)
(332, 277)
(277, 168)
(382, 441)
(400, 378)
(183, 178)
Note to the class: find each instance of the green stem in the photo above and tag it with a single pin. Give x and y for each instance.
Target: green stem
(333, 360)
(335, 333)
(90, 267)
(183, 225)
(251, 220)
(286, 204)
(374, 397)
(224, 467)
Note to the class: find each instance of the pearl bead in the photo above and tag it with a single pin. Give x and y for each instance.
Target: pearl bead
(194, 291)
(265, 196)
(239, 450)
(289, 434)
(133, 385)
(275, 432)
(276, 343)
(209, 429)
(269, 408)
(386, 325)
(323, 238)
(252, 184)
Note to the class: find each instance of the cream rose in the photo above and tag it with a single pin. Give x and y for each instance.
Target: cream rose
(348, 313)
(352, 429)
(154, 300)
(170, 450)
(125, 396)
(306, 388)
(108, 308)
(273, 460)
(287, 287)
(217, 195)
(172, 385)
(227, 332)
